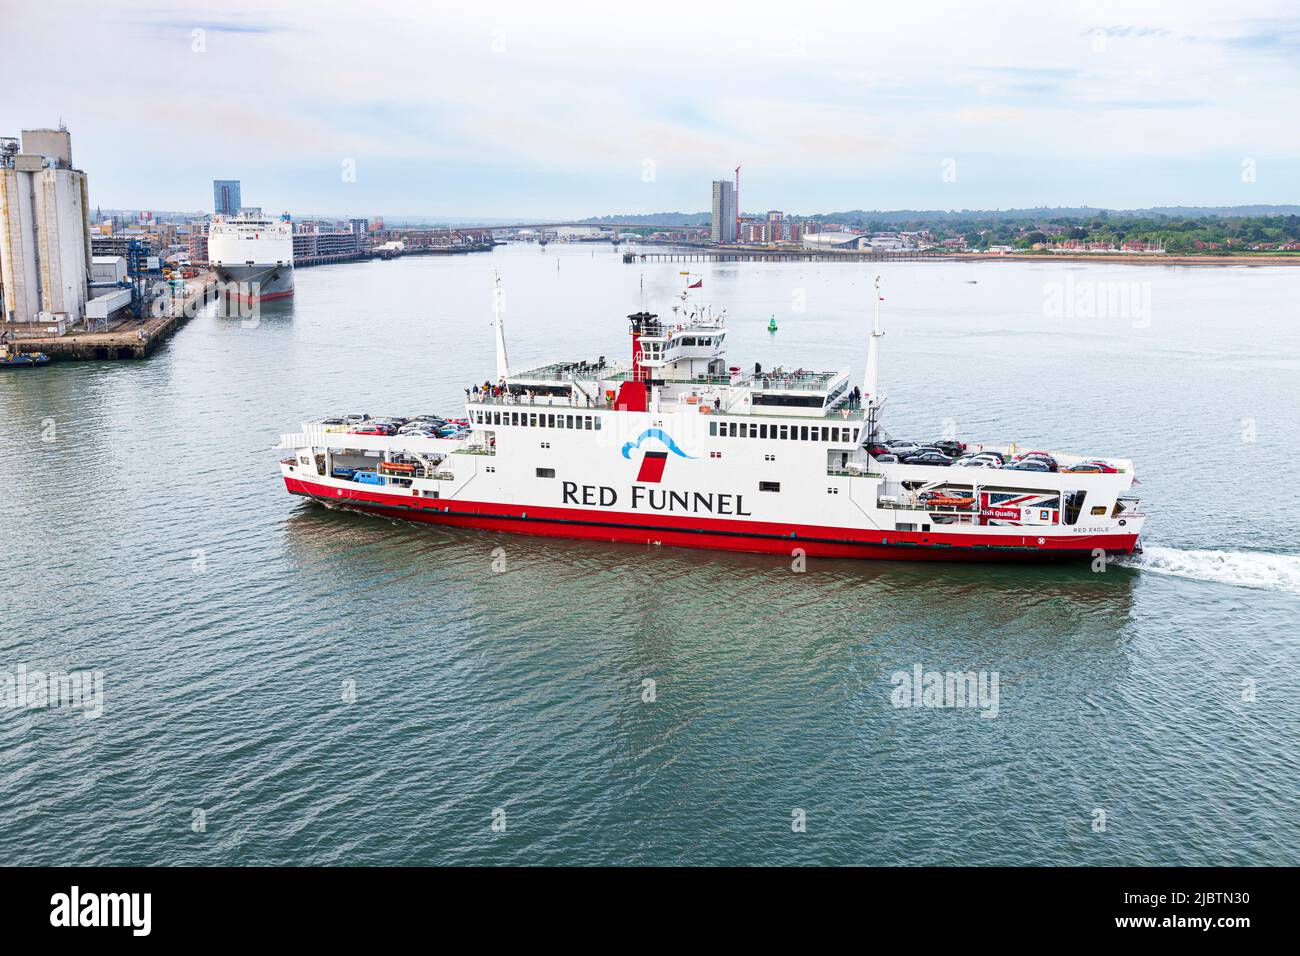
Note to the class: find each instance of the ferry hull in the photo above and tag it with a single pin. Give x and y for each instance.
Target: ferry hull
(729, 535)
(265, 282)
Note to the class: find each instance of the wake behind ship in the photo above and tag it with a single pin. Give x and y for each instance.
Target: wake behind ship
(679, 448)
(253, 254)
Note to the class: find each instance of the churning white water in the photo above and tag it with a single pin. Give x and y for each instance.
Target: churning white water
(1247, 569)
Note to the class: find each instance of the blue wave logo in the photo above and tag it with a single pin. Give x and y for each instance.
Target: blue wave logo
(658, 433)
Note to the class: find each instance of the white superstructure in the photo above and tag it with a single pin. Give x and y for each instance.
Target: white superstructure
(250, 240)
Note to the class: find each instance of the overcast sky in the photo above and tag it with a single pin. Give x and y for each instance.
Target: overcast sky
(562, 109)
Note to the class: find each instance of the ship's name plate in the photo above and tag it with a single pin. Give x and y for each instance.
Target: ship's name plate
(642, 498)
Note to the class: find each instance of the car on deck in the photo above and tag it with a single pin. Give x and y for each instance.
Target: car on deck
(373, 428)
(1029, 464)
(1094, 466)
(928, 458)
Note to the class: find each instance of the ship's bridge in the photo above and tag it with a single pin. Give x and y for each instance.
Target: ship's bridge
(604, 384)
(688, 346)
(678, 364)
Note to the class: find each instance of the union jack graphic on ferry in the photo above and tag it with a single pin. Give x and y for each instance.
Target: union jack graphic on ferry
(1019, 508)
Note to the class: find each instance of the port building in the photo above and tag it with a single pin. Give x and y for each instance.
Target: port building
(44, 230)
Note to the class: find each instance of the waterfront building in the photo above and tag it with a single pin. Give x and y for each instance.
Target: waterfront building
(199, 243)
(724, 211)
(225, 197)
(316, 242)
(44, 230)
(832, 240)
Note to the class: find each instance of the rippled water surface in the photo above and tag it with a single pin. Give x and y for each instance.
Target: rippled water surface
(147, 536)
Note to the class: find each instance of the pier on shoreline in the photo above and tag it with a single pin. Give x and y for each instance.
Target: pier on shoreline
(128, 338)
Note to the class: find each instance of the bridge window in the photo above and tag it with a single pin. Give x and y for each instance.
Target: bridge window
(1074, 505)
(797, 401)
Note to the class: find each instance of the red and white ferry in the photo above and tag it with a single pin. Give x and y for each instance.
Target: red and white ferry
(678, 448)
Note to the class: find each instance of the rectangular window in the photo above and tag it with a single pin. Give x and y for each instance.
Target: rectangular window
(550, 421)
(586, 422)
(545, 472)
(597, 423)
(783, 431)
(803, 433)
(568, 421)
(713, 429)
(1098, 511)
(769, 486)
(1073, 501)
(514, 418)
(731, 429)
(762, 431)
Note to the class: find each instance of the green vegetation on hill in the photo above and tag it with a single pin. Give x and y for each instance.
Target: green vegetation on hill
(1177, 234)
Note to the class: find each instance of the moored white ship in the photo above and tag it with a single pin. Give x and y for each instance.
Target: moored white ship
(678, 448)
(253, 254)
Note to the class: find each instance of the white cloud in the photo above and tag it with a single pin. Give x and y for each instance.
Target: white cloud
(822, 90)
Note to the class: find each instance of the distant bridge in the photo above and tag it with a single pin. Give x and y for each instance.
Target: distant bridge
(589, 225)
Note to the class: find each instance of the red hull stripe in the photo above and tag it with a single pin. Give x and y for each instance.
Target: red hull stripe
(265, 297)
(675, 530)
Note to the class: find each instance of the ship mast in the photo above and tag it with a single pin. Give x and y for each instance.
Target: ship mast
(871, 383)
(499, 308)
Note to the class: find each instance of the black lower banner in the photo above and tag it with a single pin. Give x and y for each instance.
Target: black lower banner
(334, 905)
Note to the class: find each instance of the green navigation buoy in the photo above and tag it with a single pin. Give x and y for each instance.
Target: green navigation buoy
(771, 325)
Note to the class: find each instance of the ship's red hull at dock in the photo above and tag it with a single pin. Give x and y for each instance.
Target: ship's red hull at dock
(719, 534)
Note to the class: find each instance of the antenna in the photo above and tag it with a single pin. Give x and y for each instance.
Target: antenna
(738, 201)
(499, 308)
(871, 383)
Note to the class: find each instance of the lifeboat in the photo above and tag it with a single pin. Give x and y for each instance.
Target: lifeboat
(948, 501)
